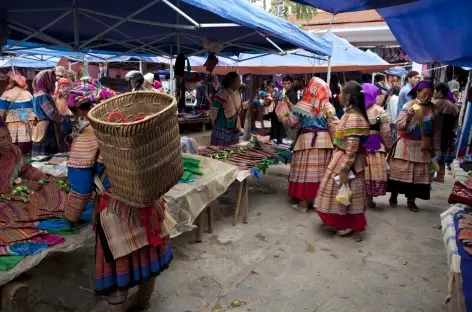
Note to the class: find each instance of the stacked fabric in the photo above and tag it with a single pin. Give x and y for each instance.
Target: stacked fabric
(191, 168)
(25, 228)
(465, 230)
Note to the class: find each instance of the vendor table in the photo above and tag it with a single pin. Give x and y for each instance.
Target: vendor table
(197, 120)
(187, 201)
(455, 298)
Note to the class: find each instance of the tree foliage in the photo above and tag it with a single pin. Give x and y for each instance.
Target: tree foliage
(301, 12)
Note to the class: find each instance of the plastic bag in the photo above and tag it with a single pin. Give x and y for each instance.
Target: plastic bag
(344, 195)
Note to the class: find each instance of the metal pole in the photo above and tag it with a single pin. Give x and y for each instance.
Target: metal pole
(464, 104)
(141, 67)
(328, 79)
(171, 73)
(464, 117)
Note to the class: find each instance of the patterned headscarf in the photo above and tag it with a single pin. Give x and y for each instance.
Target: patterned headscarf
(371, 92)
(44, 82)
(316, 94)
(423, 84)
(17, 81)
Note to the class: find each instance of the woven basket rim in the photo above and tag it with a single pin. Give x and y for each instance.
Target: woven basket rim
(98, 121)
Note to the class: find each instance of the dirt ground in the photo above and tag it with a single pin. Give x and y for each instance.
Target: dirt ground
(282, 260)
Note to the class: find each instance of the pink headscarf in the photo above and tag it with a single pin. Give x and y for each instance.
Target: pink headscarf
(17, 80)
(44, 82)
(157, 84)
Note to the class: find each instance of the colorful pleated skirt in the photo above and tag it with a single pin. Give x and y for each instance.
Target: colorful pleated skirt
(222, 136)
(409, 178)
(376, 174)
(306, 172)
(131, 270)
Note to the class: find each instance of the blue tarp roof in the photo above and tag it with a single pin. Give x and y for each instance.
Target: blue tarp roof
(428, 30)
(345, 57)
(24, 62)
(433, 30)
(156, 26)
(338, 6)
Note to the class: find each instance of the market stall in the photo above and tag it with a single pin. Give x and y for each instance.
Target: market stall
(250, 160)
(456, 225)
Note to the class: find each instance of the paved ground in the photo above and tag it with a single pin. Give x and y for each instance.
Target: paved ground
(283, 261)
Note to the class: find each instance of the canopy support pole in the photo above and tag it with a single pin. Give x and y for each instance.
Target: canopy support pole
(76, 25)
(180, 12)
(328, 79)
(171, 73)
(124, 20)
(272, 43)
(161, 37)
(463, 108)
(464, 117)
(41, 30)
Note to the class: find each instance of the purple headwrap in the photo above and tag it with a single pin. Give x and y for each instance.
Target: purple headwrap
(423, 84)
(371, 92)
(451, 97)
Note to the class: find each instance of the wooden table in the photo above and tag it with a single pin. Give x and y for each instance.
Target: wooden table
(198, 120)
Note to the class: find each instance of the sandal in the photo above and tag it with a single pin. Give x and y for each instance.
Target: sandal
(298, 208)
(393, 203)
(412, 206)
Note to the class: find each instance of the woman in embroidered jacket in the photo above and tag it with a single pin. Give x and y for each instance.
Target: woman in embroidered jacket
(18, 218)
(348, 158)
(47, 135)
(316, 118)
(130, 247)
(224, 112)
(411, 155)
(16, 109)
(13, 164)
(378, 142)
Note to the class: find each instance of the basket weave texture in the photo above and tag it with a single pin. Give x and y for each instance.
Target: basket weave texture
(143, 158)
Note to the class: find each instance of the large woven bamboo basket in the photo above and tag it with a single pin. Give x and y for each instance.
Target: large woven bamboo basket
(143, 158)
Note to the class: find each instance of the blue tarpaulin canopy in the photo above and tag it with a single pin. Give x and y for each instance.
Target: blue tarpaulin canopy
(345, 57)
(433, 30)
(25, 62)
(158, 27)
(428, 30)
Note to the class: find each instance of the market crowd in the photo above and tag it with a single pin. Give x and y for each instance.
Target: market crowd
(351, 144)
(132, 248)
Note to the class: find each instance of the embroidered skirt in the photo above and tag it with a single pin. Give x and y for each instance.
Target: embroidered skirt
(130, 270)
(409, 178)
(376, 174)
(20, 133)
(335, 214)
(221, 136)
(306, 172)
(49, 144)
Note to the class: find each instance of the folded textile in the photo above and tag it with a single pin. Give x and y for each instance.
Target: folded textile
(50, 239)
(9, 236)
(191, 168)
(27, 249)
(53, 224)
(64, 232)
(9, 262)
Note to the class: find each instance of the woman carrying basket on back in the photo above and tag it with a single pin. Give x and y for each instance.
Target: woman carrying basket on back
(131, 249)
